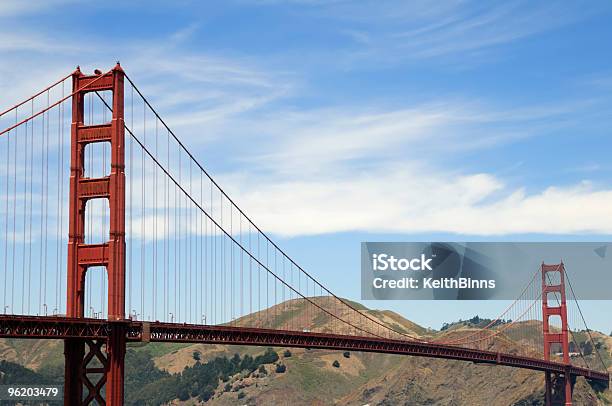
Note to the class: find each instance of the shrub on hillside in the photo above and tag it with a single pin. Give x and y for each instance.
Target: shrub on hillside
(183, 394)
(196, 356)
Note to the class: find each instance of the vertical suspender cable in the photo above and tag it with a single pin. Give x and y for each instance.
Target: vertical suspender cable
(241, 271)
(31, 169)
(25, 219)
(176, 253)
(258, 309)
(231, 264)
(199, 249)
(6, 211)
(46, 203)
(189, 229)
(166, 234)
(250, 274)
(42, 198)
(131, 202)
(180, 230)
(155, 225)
(14, 217)
(60, 200)
(143, 217)
(58, 236)
(222, 297)
(205, 258)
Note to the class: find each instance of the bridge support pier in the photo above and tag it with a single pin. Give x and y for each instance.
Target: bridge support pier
(116, 357)
(74, 351)
(559, 388)
(547, 388)
(568, 389)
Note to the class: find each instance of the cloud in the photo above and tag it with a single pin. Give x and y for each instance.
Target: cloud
(396, 199)
(327, 171)
(331, 140)
(12, 8)
(398, 32)
(470, 29)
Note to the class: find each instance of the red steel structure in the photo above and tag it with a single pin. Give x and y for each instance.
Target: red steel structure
(136, 331)
(110, 255)
(553, 287)
(95, 348)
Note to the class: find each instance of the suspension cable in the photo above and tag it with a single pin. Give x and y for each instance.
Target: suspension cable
(216, 223)
(270, 241)
(499, 318)
(49, 107)
(35, 95)
(584, 321)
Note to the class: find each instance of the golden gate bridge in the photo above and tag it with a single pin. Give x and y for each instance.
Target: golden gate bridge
(157, 251)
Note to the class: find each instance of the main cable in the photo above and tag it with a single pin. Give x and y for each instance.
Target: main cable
(182, 146)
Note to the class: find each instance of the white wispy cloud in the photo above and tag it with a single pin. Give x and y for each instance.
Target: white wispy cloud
(480, 27)
(404, 200)
(313, 141)
(327, 172)
(399, 32)
(12, 8)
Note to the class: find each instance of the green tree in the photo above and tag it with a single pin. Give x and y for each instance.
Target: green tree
(587, 348)
(269, 357)
(196, 356)
(183, 394)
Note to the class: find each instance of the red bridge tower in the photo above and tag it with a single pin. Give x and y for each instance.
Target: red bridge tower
(553, 282)
(107, 370)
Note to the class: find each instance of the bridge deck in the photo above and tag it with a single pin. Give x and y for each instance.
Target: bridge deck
(63, 327)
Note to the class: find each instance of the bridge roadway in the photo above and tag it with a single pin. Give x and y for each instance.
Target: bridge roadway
(53, 327)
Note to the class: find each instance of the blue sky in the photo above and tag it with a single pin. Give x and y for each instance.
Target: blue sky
(335, 122)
